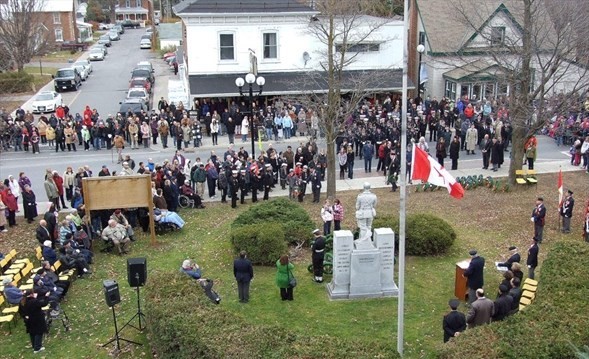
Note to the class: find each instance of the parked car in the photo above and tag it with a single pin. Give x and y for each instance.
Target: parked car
(134, 105)
(120, 29)
(101, 48)
(149, 30)
(87, 64)
(145, 65)
(145, 44)
(47, 101)
(130, 24)
(140, 82)
(114, 35)
(82, 70)
(104, 40)
(169, 54)
(146, 36)
(67, 79)
(142, 72)
(103, 26)
(140, 92)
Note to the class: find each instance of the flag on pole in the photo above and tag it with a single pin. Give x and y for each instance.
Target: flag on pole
(560, 189)
(427, 169)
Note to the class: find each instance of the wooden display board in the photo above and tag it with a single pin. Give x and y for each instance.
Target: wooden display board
(119, 192)
(460, 290)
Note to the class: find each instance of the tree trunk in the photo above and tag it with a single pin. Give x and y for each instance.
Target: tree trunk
(517, 152)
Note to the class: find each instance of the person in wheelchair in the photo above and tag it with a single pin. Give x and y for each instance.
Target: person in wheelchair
(122, 220)
(162, 216)
(187, 191)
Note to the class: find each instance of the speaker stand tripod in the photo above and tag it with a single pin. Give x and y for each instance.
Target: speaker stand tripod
(117, 338)
(139, 313)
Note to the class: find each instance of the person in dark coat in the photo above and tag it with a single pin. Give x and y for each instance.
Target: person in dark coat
(538, 217)
(496, 153)
(454, 322)
(49, 253)
(474, 275)
(51, 220)
(515, 257)
(316, 185)
(42, 233)
(441, 150)
(455, 152)
(503, 303)
(317, 256)
(532, 261)
(244, 273)
(30, 309)
(29, 203)
(566, 211)
(234, 187)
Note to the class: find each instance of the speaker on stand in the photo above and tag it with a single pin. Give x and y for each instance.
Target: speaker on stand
(137, 275)
(112, 298)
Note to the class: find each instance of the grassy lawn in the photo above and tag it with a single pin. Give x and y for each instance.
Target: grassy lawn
(484, 220)
(56, 56)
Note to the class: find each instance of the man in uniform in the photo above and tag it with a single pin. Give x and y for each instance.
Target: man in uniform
(532, 261)
(315, 185)
(318, 253)
(242, 186)
(268, 180)
(566, 211)
(234, 187)
(538, 217)
(454, 322)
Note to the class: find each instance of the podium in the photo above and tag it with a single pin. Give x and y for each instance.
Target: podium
(460, 289)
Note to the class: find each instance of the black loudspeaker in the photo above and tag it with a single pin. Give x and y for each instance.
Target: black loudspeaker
(111, 292)
(137, 271)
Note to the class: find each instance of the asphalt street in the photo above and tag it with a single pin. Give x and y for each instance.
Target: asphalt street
(107, 85)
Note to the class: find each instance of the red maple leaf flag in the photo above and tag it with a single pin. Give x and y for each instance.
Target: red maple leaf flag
(560, 189)
(427, 169)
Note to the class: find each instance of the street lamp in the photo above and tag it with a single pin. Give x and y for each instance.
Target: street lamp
(420, 50)
(251, 79)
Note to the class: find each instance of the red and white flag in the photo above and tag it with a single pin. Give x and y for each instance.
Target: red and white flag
(560, 189)
(427, 169)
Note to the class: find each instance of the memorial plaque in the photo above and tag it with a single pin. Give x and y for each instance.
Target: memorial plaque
(365, 274)
(343, 244)
(385, 243)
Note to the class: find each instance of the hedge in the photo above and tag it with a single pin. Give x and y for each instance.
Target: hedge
(15, 82)
(425, 234)
(264, 243)
(190, 326)
(292, 217)
(557, 318)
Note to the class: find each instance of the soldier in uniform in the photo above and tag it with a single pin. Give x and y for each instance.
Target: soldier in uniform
(318, 253)
(234, 186)
(315, 185)
(268, 180)
(242, 186)
(255, 183)
(365, 212)
(566, 211)
(283, 174)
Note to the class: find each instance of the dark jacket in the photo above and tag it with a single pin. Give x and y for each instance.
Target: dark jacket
(49, 255)
(243, 270)
(474, 273)
(453, 322)
(513, 259)
(503, 306)
(43, 234)
(33, 315)
(533, 256)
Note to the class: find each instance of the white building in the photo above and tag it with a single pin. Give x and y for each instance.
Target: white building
(226, 39)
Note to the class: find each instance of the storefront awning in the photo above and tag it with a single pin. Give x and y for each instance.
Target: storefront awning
(299, 82)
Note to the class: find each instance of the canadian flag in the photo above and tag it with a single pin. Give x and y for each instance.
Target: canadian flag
(560, 189)
(427, 169)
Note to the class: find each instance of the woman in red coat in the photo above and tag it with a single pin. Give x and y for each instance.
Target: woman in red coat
(59, 184)
(11, 206)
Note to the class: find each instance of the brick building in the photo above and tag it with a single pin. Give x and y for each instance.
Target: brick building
(59, 17)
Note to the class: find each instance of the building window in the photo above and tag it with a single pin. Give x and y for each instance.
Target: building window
(127, 3)
(58, 35)
(450, 89)
(138, 3)
(360, 47)
(497, 35)
(226, 47)
(270, 46)
(56, 18)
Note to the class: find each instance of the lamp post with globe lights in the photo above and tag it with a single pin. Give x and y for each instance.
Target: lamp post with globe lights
(250, 79)
(420, 50)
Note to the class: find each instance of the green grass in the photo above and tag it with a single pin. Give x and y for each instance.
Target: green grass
(484, 220)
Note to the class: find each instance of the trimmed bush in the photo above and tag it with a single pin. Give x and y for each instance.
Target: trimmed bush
(264, 243)
(426, 234)
(547, 327)
(15, 82)
(293, 218)
(189, 326)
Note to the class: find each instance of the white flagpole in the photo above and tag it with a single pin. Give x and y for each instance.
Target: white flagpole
(403, 187)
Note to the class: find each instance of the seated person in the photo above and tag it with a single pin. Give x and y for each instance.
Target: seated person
(88, 255)
(71, 259)
(76, 219)
(514, 258)
(188, 192)
(193, 270)
(42, 233)
(49, 253)
(516, 269)
(117, 234)
(49, 272)
(516, 293)
(12, 294)
(66, 228)
(122, 220)
(165, 216)
(43, 284)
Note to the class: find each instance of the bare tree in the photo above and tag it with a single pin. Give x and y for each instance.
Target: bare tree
(21, 32)
(538, 62)
(340, 26)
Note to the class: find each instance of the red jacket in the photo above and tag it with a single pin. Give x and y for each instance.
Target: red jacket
(9, 200)
(88, 112)
(381, 151)
(60, 112)
(58, 183)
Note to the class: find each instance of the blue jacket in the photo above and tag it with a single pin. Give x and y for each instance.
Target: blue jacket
(368, 150)
(12, 294)
(49, 255)
(194, 273)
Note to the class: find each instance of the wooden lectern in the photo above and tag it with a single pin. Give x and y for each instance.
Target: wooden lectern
(460, 289)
